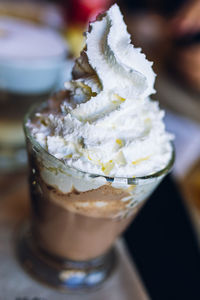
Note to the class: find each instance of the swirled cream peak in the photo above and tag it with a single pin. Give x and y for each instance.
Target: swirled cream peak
(108, 125)
(108, 66)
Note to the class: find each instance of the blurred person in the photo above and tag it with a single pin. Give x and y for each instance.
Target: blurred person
(168, 30)
(185, 30)
(187, 19)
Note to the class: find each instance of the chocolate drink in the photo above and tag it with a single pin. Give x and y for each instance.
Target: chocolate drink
(77, 225)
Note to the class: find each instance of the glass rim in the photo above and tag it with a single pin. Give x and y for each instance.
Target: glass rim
(130, 180)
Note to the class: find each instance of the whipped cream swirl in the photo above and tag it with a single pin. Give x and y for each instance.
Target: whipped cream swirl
(109, 125)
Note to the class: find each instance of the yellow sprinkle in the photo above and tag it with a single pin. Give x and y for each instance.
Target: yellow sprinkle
(88, 89)
(140, 160)
(95, 161)
(107, 167)
(115, 101)
(119, 98)
(68, 156)
(119, 142)
(147, 120)
(89, 157)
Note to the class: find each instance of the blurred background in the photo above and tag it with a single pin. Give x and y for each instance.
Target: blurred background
(40, 39)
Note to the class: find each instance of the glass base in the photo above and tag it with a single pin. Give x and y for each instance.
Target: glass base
(63, 274)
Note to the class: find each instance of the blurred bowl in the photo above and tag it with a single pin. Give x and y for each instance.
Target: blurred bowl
(32, 57)
(30, 77)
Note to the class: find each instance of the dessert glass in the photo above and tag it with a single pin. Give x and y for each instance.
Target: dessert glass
(76, 218)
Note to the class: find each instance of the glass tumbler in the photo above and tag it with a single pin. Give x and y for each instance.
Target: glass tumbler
(76, 218)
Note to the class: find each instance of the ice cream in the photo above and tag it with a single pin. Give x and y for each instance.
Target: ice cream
(110, 126)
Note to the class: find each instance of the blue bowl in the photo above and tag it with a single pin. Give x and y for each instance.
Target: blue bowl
(32, 76)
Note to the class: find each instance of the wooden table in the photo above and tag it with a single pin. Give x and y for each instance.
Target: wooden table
(15, 284)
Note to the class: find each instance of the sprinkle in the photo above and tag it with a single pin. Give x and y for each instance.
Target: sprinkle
(107, 167)
(88, 89)
(135, 162)
(68, 156)
(89, 157)
(147, 120)
(95, 161)
(119, 142)
(119, 98)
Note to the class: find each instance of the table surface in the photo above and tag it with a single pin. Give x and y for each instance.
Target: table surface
(16, 284)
